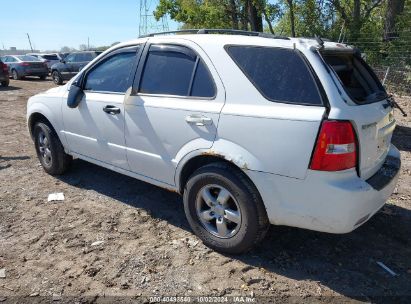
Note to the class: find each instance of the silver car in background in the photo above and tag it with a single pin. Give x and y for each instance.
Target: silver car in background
(20, 66)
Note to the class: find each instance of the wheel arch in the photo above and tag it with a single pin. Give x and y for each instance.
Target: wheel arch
(36, 117)
(191, 164)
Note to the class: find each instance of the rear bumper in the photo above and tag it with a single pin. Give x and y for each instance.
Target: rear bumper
(334, 202)
(33, 73)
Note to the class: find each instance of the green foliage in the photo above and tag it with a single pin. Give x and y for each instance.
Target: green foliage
(195, 13)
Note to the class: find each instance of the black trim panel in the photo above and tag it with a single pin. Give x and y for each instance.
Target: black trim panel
(387, 172)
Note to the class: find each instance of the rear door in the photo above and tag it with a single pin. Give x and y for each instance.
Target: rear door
(370, 110)
(174, 109)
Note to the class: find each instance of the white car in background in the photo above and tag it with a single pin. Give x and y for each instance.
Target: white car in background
(252, 129)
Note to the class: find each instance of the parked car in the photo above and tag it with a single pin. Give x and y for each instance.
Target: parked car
(49, 59)
(71, 65)
(4, 75)
(20, 66)
(251, 131)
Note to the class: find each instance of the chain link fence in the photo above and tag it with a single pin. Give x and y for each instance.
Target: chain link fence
(391, 60)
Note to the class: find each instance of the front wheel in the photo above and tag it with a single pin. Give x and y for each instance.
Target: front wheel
(57, 79)
(5, 83)
(224, 209)
(49, 150)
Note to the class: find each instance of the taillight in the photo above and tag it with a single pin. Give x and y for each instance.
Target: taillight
(336, 147)
(4, 67)
(24, 64)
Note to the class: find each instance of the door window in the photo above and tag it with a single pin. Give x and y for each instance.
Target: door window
(281, 75)
(70, 58)
(176, 71)
(112, 74)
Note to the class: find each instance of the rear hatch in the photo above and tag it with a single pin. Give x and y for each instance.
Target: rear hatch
(372, 113)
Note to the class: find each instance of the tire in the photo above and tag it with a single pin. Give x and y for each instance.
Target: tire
(43, 77)
(15, 75)
(50, 151)
(250, 224)
(5, 83)
(57, 79)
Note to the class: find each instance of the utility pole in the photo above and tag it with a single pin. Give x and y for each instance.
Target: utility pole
(28, 36)
(88, 43)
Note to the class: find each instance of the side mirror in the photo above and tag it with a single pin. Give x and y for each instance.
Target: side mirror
(62, 61)
(75, 96)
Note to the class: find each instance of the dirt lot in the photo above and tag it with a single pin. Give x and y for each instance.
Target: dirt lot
(148, 249)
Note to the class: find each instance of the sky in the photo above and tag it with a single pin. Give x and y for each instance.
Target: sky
(54, 24)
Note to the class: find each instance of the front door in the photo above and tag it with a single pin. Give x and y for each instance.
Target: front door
(95, 129)
(174, 109)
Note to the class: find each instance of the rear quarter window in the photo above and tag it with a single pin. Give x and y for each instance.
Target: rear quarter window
(280, 75)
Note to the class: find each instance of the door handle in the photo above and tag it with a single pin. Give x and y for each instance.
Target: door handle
(199, 120)
(113, 110)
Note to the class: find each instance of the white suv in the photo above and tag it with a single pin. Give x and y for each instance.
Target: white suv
(252, 129)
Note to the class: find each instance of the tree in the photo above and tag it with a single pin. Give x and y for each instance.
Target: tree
(355, 13)
(83, 47)
(214, 13)
(292, 19)
(394, 9)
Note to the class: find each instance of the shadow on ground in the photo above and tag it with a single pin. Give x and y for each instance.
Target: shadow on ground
(9, 88)
(402, 138)
(4, 159)
(344, 263)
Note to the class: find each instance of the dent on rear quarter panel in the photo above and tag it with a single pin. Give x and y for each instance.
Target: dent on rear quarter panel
(273, 145)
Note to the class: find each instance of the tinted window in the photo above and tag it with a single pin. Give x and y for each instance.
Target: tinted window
(70, 58)
(112, 75)
(279, 74)
(167, 72)
(203, 85)
(50, 57)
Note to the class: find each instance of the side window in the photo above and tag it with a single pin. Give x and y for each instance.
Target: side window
(78, 57)
(167, 73)
(203, 85)
(86, 57)
(112, 74)
(70, 58)
(178, 73)
(280, 75)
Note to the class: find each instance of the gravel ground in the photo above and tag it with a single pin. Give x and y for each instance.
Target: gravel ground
(145, 246)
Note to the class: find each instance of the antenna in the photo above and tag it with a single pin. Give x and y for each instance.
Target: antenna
(148, 23)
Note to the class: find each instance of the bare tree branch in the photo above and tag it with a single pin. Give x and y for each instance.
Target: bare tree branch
(369, 10)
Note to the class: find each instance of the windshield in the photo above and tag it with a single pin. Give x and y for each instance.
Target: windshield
(28, 58)
(359, 81)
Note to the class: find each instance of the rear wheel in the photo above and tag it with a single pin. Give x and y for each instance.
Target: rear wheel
(57, 79)
(224, 209)
(49, 150)
(15, 75)
(5, 83)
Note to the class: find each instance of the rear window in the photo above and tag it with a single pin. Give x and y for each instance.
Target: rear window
(357, 78)
(50, 57)
(28, 58)
(281, 75)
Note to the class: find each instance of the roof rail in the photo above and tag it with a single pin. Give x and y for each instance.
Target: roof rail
(218, 31)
